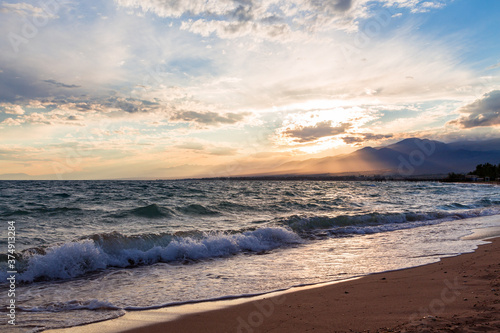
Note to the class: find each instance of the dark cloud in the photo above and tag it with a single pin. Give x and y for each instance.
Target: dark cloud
(362, 137)
(61, 85)
(483, 112)
(272, 19)
(16, 85)
(342, 5)
(130, 105)
(333, 5)
(209, 118)
(243, 14)
(353, 139)
(319, 130)
(85, 104)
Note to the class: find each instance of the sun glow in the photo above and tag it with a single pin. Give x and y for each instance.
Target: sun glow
(321, 129)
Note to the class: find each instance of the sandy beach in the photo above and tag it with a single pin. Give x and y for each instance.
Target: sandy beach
(457, 294)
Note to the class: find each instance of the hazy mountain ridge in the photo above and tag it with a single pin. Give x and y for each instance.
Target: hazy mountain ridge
(407, 157)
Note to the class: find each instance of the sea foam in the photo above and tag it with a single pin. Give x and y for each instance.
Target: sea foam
(75, 259)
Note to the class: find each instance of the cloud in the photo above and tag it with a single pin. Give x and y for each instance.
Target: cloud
(228, 29)
(128, 105)
(485, 111)
(319, 130)
(75, 118)
(332, 6)
(25, 9)
(38, 118)
(55, 54)
(12, 108)
(60, 84)
(179, 8)
(57, 116)
(428, 5)
(209, 118)
(15, 84)
(417, 6)
(191, 146)
(363, 137)
(223, 151)
(269, 18)
(235, 18)
(11, 122)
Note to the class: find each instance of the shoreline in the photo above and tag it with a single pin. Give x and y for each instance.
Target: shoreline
(456, 291)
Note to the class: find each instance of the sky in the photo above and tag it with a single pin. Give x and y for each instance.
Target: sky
(174, 89)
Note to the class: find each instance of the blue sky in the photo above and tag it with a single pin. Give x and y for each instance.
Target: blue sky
(163, 88)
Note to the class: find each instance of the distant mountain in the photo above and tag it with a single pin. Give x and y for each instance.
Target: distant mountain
(410, 157)
(486, 145)
(15, 176)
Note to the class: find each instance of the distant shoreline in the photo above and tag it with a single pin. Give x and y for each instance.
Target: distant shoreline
(440, 179)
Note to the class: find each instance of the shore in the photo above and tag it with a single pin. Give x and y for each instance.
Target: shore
(457, 294)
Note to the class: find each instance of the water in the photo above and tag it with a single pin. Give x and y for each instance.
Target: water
(91, 250)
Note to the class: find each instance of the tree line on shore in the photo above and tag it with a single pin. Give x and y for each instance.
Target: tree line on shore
(484, 171)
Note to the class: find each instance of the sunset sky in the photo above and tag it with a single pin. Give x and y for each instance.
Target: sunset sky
(169, 88)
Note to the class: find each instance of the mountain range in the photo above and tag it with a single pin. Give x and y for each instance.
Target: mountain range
(409, 157)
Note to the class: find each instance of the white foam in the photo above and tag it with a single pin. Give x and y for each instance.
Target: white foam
(66, 261)
(77, 258)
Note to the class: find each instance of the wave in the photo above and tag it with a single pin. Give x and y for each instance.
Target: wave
(378, 222)
(455, 205)
(81, 257)
(62, 195)
(233, 206)
(195, 209)
(154, 211)
(151, 211)
(106, 250)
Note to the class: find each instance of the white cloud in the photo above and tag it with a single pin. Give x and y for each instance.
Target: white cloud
(11, 122)
(417, 6)
(225, 29)
(12, 108)
(318, 130)
(268, 19)
(27, 10)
